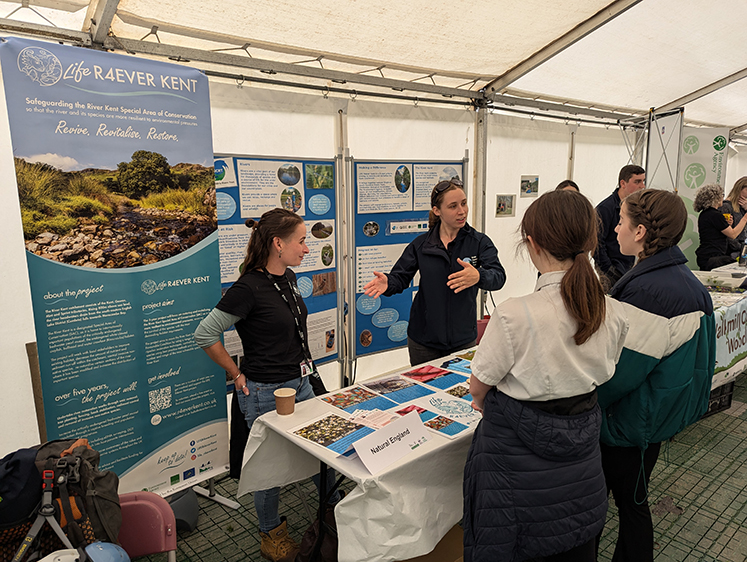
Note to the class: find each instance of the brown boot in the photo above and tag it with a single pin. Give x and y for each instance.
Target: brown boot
(277, 545)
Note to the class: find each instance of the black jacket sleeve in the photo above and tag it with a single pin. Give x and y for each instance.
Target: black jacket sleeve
(607, 222)
(403, 271)
(492, 274)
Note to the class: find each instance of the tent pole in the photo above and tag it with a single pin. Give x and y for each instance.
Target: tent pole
(479, 179)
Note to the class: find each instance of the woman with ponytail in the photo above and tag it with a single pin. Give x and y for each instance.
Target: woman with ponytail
(454, 261)
(653, 396)
(268, 311)
(533, 482)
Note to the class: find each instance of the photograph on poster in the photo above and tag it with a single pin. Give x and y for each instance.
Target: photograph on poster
(505, 205)
(323, 283)
(366, 338)
(322, 230)
(529, 186)
(320, 176)
(371, 229)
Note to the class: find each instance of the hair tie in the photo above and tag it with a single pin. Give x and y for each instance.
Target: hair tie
(575, 254)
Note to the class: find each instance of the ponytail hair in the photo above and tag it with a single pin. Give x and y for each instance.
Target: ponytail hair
(664, 215)
(564, 224)
(276, 223)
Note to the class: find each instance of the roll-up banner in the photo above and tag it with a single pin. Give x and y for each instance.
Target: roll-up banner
(392, 201)
(113, 159)
(703, 161)
(249, 186)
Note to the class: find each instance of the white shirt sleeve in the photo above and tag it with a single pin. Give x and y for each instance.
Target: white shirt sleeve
(495, 354)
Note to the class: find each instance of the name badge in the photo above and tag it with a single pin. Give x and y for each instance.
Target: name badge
(306, 370)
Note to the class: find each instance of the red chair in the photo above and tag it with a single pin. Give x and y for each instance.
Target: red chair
(148, 525)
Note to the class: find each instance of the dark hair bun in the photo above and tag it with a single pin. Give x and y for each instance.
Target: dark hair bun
(251, 223)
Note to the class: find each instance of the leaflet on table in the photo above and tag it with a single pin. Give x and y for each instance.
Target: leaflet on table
(460, 390)
(375, 419)
(435, 377)
(440, 424)
(453, 408)
(398, 388)
(468, 355)
(389, 444)
(357, 397)
(332, 432)
(458, 365)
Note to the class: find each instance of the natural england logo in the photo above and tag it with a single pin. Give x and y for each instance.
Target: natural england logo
(691, 145)
(719, 143)
(694, 175)
(40, 65)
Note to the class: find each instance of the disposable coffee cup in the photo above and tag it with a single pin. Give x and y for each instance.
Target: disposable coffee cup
(285, 401)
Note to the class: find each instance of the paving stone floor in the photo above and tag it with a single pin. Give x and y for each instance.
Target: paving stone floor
(698, 492)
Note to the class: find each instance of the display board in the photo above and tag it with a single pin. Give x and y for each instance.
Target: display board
(120, 278)
(391, 205)
(247, 187)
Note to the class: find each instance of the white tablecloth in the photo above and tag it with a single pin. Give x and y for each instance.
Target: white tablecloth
(400, 513)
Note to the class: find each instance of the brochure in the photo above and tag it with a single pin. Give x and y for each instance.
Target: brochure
(357, 398)
(468, 355)
(459, 365)
(440, 424)
(398, 388)
(332, 432)
(435, 377)
(445, 405)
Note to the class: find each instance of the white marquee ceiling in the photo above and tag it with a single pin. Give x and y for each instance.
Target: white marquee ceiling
(626, 55)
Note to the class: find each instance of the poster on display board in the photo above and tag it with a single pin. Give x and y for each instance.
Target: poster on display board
(392, 201)
(113, 161)
(247, 187)
(703, 156)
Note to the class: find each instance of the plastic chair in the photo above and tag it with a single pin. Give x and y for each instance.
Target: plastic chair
(148, 525)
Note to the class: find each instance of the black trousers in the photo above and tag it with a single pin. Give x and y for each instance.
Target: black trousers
(627, 476)
(584, 553)
(422, 354)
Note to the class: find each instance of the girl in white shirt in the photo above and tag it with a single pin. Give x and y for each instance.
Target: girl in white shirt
(533, 484)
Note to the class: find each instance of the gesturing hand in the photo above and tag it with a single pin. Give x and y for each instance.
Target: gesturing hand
(376, 286)
(464, 279)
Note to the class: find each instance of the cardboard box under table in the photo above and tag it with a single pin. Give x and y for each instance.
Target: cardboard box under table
(399, 513)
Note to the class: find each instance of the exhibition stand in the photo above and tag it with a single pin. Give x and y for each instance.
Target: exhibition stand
(404, 508)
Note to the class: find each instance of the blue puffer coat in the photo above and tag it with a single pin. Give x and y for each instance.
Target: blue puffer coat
(533, 482)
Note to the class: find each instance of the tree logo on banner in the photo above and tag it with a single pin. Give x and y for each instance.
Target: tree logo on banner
(719, 143)
(695, 175)
(691, 145)
(40, 65)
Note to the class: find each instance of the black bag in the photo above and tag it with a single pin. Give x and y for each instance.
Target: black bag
(96, 491)
(20, 487)
(317, 384)
(328, 551)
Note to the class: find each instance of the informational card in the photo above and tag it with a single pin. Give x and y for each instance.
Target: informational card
(234, 239)
(267, 184)
(459, 365)
(384, 187)
(332, 432)
(322, 336)
(439, 424)
(435, 377)
(320, 238)
(398, 388)
(448, 406)
(357, 398)
(375, 419)
(375, 258)
(391, 443)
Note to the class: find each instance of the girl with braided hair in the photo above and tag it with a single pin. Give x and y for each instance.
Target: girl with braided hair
(649, 400)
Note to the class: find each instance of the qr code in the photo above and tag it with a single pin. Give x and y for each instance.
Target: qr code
(159, 399)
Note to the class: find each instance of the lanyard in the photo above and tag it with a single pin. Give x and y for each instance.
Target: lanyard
(296, 316)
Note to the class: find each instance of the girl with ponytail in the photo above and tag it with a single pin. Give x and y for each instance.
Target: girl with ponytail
(533, 482)
(269, 314)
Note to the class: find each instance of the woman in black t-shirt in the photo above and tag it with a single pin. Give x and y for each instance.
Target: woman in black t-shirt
(268, 311)
(714, 228)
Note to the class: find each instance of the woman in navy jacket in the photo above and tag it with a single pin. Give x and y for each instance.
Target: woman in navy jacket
(454, 261)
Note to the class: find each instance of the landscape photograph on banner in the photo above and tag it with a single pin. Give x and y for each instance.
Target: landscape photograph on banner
(140, 213)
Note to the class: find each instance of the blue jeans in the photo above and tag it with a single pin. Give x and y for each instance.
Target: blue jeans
(261, 400)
